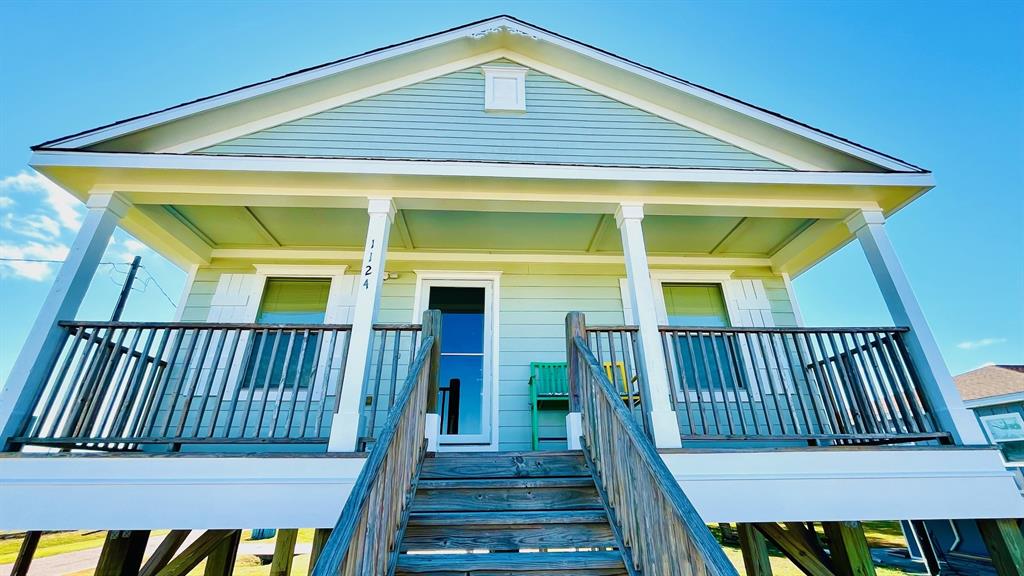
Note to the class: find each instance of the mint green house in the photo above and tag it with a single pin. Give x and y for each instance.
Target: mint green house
(498, 266)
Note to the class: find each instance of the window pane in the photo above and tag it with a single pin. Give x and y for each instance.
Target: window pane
(287, 301)
(294, 301)
(462, 318)
(460, 394)
(695, 305)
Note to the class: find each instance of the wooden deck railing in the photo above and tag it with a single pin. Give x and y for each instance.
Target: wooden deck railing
(121, 385)
(365, 540)
(820, 385)
(391, 357)
(658, 530)
(617, 350)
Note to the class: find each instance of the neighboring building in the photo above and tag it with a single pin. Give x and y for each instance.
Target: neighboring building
(996, 396)
(492, 180)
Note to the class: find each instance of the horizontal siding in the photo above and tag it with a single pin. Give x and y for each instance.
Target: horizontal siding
(534, 301)
(443, 119)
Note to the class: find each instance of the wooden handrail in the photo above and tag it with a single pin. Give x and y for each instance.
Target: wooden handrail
(203, 325)
(658, 529)
(365, 539)
(786, 330)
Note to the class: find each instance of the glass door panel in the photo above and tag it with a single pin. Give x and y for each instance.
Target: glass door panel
(463, 396)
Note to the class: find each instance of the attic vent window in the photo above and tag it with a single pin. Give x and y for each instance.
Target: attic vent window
(504, 88)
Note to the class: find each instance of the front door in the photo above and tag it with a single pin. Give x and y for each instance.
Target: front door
(464, 392)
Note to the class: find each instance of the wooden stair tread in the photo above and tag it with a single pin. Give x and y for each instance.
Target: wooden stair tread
(506, 483)
(503, 562)
(505, 465)
(504, 531)
(506, 503)
(507, 518)
(503, 495)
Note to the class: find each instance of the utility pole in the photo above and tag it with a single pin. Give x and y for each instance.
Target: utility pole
(126, 289)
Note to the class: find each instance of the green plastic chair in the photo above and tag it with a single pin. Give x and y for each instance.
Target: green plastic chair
(549, 387)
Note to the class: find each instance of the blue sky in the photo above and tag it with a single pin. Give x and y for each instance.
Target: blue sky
(938, 84)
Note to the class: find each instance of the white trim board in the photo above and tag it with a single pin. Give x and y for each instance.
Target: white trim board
(131, 160)
(995, 400)
(202, 492)
(836, 485)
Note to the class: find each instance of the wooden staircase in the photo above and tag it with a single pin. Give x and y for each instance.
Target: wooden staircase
(532, 513)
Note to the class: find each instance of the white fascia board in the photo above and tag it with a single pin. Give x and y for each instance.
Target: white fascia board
(995, 400)
(477, 30)
(212, 491)
(150, 120)
(128, 160)
(836, 484)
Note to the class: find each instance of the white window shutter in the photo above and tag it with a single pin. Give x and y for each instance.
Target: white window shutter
(748, 304)
(343, 300)
(235, 300)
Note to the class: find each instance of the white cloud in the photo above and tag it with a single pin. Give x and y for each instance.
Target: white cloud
(38, 226)
(67, 207)
(37, 271)
(6, 201)
(980, 343)
(126, 250)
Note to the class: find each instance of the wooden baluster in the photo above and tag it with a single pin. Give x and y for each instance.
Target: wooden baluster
(204, 391)
(246, 379)
(327, 407)
(193, 388)
(280, 383)
(56, 385)
(228, 369)
(297, 387)
(159, 368)
(132, 399)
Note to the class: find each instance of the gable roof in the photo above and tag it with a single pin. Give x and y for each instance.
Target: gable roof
(990, 381)
(442, 119)
(480, 29)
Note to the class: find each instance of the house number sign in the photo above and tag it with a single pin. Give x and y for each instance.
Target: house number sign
(368, 265)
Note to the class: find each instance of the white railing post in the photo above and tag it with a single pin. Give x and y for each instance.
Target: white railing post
(370, 279)
(938, 385)
(44, 342)
(665, 427)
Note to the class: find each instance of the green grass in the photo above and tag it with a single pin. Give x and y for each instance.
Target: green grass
(878, 534)
(53, 544)
(781, 566)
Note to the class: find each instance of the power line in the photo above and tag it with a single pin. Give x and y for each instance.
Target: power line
(45, 261)
(150, 280)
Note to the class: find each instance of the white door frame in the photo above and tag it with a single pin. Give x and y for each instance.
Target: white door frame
(490, 282)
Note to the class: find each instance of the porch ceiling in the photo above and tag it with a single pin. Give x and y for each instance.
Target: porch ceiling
(459, 230)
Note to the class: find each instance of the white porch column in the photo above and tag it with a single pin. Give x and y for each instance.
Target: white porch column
(628, 217)
(45, 339)
(345, 424)
(938, 385)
